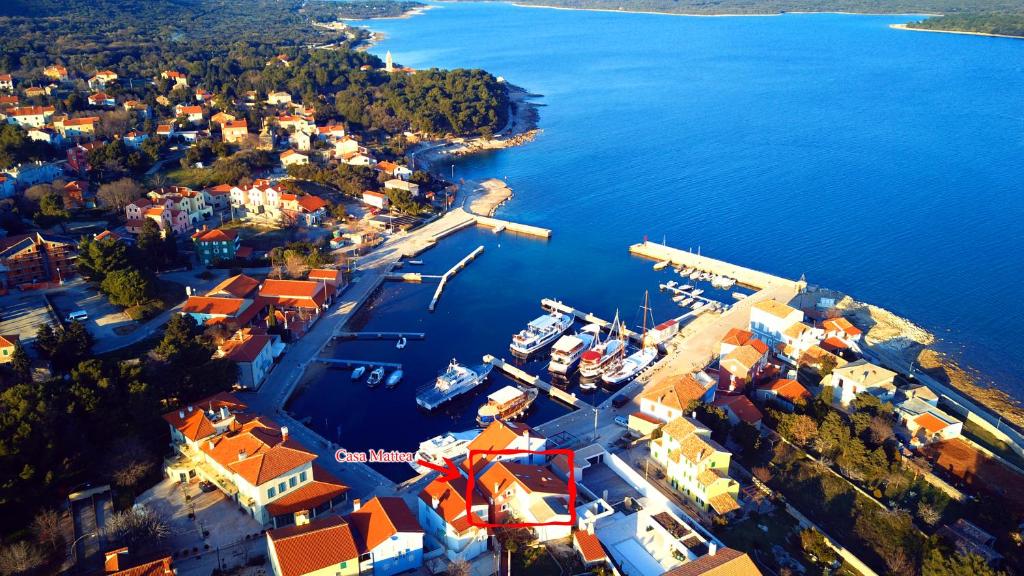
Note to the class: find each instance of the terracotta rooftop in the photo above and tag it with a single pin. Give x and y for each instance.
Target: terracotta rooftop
(380, 519)
(323, 543)
(196, 423)
(214, 306)
(320, 489)
(590, 547)
(258, 452)
(725, 562)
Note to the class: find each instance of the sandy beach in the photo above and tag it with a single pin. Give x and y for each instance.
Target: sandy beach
(961, 32)
(488, 196)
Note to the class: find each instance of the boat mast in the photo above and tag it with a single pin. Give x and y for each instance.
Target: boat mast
(643, 335)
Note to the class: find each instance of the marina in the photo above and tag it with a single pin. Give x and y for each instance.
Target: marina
(380, 335)
(455, 381)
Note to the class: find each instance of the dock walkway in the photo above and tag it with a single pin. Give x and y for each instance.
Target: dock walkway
(452, 272)
(346, 363)
(677, 257)
(380, 335)
(535, 381)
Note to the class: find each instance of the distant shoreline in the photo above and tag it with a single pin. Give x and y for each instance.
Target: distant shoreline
(963, 32)
(724, 15)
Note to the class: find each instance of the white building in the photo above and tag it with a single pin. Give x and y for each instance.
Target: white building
(922, 423)
(442, 512)
(397, 184)
(862, 376)
(391, 539)
(769, 320)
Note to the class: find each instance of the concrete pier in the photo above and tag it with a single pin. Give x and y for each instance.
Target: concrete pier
(380, 335)
(454, 270)
(524, 229)
(676, 257)
(556, 306)
(535, 381)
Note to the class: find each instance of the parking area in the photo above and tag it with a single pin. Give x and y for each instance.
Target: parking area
(219, 533)
(22, 314)
(104, 317)
(603, 482)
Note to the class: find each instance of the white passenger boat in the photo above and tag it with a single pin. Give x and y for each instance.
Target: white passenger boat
(456, 380)
(358, 372)
(508, 403)
(375, 377)
(452, 446)
(539, 333)
(595, 361)
(661, 265)
(393, 379)
(567, 351)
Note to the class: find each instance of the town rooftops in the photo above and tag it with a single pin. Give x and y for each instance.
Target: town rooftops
(741, 406)
(742, 359)
(30, 110)
(214, 306)
(238, 286)
(775, 308)
(321, 488)
(675, 391)
(841, 324)
(865, 373)
(498, 435)
(589, 546)
(195, 421)
(215, 235)
(258, 452)
(380, 519)
(724, 562)
(323, 543)
(328, 275)
(448, 499)
(531, 478)
(790, 390)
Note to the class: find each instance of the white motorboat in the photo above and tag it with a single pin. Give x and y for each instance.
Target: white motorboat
(695, 274)
(358, 372)
(539, 333)
(567, 351)
(452, 446)
(697, 292)
(508, 403)
(661, 265)
(678, 297)
(401, 343)
(393, 379)
(456, 380)
(738, 295)
(588, 384)
(671, 284)
(628, 369)
(375, 377)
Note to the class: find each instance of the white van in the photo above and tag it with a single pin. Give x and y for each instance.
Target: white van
(78, 315)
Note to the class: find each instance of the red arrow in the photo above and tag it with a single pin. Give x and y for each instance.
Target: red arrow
(448, 472)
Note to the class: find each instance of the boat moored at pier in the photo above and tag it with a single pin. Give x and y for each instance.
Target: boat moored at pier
(567, 351)
(453, 446)
(454, 381)
(507, 403)
(539, 333)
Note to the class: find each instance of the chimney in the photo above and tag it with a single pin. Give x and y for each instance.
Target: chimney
(693, 414)
(190, 409)
(242, 454)
(434, 502)
(604, 495)
(590, 527)
(284, 433)
(712, 548)
(302, 517)
(356, 504)
(495, 488)
(112, 560)
(210, 444)
(224, 413)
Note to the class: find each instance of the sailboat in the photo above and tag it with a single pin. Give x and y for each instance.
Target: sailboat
(604, 354)
(635, 362)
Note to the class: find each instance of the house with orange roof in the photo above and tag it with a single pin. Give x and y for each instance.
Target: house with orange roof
(309, 297)
(237, 286)
(527, 493)
(178, 78)
(738, 408)
(921, 423)
(77, 128)
(796, 340)
(29, 116)
(389, 538)
(193, 114)
(304, 209)
(102, 100)
(444, 514)
(213, 245)
(102, 78)
(784, 393)
(293, 158)
(668, 397)
(376, 199)
(769, 319)
(724, 562)
(184, 199)
(6, 82)
(589, 547)
(696, 466)
(207, 309)
(256, 463)
(859, 377)
(8, 344)
(502, 435)
(56, 72)
(254, 352)
(842, 329)
(741, 366)
(218, 197)
(322, 547)
(234, 131)
(120, 563)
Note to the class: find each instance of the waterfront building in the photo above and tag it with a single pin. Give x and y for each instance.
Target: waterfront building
(527, 493)
(696, 466)
(769, 319)
(796, 340)
(394, 170)
(218, 197)
(214, 310)
(101, 100)
(443, 513)
(842, 329)
(501, 435)
(861, 376)
(742, 366)
(29, 259)
(390, 539)
(668, 398)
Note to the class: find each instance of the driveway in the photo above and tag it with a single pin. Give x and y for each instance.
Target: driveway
(22, 314)
(104, 317)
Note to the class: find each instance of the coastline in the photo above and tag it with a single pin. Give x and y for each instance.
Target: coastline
(722, 15)
(961, 32)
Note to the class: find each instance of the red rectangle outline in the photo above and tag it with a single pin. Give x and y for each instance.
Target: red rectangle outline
(553, 452)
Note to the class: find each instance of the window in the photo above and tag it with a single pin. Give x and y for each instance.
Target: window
(504, 507)
(292, 482)
(302, 476)
(271, 492)
(282, 487)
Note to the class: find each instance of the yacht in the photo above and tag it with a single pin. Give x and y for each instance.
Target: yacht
(452, 446)
(539, 333)
(596, 360)
(630, 367)
(393, 379)
(566, 353)
(375, 377)
(507, 403)
(358, 372)
(456, 380)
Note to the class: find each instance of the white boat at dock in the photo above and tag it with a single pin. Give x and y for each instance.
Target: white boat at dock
(567, 351)
(686, 287)
(738, 295)
(695, 274)
(697, 303)
(401, 342)
(671, 284)
(393, 379)
(453, 446)
(456, 380)
(678, 297)
(539, 333)
(686, 303)
(661, 265)
(375, 377)
(697, 292)
(415, 262)
(628, 369)
(604, 354)
(358, 372)
(508, 403)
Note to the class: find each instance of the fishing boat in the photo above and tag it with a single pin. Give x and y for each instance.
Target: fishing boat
(456, 380)
(661, 265)
(508, 403)
(635, 362)
(539, 333)
(401, 342)
(567, 351)
(393, 379)
(453, 446)
(358, 372)
(738, 295)
(596, 360)
(375, 377)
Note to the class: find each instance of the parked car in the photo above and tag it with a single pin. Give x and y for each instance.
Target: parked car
(207, 486)
(622, 421)
(78, 315)
(620, 401)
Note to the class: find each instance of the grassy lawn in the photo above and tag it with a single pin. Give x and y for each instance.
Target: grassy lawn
(191, 177)
(748, 535)
(986, 439)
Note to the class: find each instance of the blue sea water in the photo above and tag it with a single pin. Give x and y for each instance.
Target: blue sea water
(882, 163)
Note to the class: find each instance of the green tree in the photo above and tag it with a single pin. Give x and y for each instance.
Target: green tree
(127, 287)
(954, 564)
(20, 365)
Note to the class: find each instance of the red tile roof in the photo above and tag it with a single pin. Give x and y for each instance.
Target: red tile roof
(8, 341)
(675, 391)
(214, 306)
(590, 547)
(196, 423)
(741, 406)
(380, 519)
(311, 203)
(246, 349)
(161, 567)
(322, 488)
(258, 452)
(531, 478)
(451, 501)
(215, 235)
(498, 435)
(737, 337)
(725, 562)
(931, 423)
(789, 389)
(322, 543)
(239, 286)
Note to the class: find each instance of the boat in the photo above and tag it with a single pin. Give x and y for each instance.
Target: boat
(453, 446)
(588, 384)
(401, 342)
(596, 360)
(567, 351)
(507, 403)
(738, 295)
(456, 380)
(686, 287)
(685, 271)
(671, 284)
(661, 265)
(539, 333)
(695, 274)
(375, 377)
(678, 297)
(393, 379)
(416, 262)
(626, 370)
(686, 303)
(697, 304)
(358, 372)
(697, 292)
